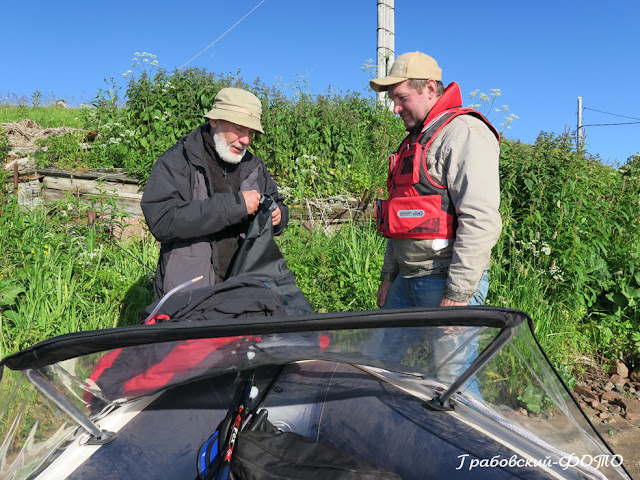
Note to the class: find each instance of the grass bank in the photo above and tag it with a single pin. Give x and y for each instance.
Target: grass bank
(569, 254)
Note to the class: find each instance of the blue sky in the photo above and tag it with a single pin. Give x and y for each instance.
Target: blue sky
(542, 55)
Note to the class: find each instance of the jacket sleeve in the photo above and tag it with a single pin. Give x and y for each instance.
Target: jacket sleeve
(390, 264)
(473, 156)
(169, 210)
(272, 189)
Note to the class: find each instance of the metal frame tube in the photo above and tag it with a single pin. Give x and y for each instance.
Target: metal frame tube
(45, 387)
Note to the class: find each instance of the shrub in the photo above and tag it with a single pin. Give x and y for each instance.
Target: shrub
(60, 275)
(322, 145)
(572, 224)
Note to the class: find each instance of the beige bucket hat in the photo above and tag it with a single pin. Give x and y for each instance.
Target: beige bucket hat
(408, 65)
(237, 106)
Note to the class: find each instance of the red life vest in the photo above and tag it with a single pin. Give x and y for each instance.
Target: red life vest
(418, 207)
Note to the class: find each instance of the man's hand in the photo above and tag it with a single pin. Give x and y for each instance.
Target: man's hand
(276, 216)
(446, 302)
(252, 200)
(383, 290)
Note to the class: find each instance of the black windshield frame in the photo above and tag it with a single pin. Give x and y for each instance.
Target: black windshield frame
(72, 345)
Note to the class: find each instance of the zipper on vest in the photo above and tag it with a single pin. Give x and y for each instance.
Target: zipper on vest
(224, 174)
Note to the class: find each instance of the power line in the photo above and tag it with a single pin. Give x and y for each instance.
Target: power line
(614, 114)
(580, 128)
(214, 42)
(607, 124)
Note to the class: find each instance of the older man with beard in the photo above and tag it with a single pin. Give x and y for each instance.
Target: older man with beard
(203, 192)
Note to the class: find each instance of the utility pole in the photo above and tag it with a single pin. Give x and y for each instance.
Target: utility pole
(386, 41)
(579, 132)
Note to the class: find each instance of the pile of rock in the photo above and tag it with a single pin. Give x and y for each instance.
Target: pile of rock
(607, 400)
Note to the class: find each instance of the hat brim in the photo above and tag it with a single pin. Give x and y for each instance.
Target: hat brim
(238, 118)
(383, 84)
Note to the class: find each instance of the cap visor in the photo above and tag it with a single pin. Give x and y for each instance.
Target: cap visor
(237, 118)
(383, 84)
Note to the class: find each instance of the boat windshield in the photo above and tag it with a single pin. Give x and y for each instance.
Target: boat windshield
(489, 374)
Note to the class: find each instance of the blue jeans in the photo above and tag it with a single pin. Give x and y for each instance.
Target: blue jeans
(393, 343)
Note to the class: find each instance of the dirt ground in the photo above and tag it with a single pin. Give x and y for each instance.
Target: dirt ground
(611, 400)
(624, 439)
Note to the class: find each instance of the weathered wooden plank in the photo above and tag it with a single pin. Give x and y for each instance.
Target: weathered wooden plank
(125, 190)
(131, 206)
(115, 176)
(94, 187)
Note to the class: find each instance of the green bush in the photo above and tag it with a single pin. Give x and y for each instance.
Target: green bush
(162, 109)
(322, 145)
(568, 254)
(571, 226)
(327, 145)
(60, 275)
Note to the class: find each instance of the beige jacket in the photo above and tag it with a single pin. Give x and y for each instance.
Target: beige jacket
(464, 156)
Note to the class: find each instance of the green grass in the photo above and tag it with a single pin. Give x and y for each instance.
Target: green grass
(556, 325)
(569, 254)
(47, 117)
(57, 275)
(336, 271)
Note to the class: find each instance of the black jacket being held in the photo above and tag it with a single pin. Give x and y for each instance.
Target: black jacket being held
(198, 225)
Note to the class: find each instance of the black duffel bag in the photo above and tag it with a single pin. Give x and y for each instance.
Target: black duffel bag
(262, 455)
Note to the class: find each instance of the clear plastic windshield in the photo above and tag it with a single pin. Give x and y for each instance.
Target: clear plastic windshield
(512, 392)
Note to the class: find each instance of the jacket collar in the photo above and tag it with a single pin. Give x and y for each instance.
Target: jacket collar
(451, 98)
(194, 145)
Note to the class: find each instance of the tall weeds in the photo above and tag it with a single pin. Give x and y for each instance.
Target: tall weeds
(325, 144)
(571, 236)
(568, 255)
(337, 271)
(58, 275)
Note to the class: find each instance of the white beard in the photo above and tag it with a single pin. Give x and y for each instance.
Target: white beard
(224, 149)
